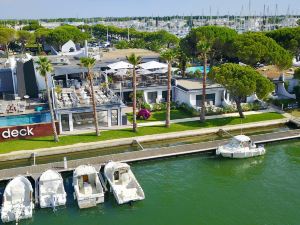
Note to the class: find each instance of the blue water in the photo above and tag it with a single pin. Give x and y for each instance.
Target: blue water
(6, 121)
(197, 68)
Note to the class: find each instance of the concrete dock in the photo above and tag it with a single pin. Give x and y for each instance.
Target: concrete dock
(145, 154)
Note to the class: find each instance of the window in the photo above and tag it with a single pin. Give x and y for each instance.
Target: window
(210, 98)
(165, 95)
(152, 96)
(65, 122)
(114, 117)
(103, 118)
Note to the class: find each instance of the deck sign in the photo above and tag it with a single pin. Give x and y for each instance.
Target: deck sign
(26, 131)
(14, 133)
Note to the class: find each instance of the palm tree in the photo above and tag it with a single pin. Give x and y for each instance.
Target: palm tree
(89, 64)
(169, 56)
(134, 60)
(45, 67)
(203, 48)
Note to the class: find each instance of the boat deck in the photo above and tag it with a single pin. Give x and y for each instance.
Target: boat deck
(145, 154)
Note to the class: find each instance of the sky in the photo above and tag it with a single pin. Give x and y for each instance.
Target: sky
(37, 9)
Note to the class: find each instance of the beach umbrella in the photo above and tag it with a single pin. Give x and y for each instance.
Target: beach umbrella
(153, 65)
(144, 72)
(120, 65)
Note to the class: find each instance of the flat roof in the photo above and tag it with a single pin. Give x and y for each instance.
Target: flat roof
(194, 84)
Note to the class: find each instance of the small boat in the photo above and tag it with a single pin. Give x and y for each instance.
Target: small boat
(51, 190)
(240, 146)
(123, 183)
(87, 186)
(17, 200)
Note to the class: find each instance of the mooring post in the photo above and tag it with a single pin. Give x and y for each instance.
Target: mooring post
(65, 163)
(34, 156)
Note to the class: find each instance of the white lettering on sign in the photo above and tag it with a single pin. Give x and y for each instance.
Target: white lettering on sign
(15, 133)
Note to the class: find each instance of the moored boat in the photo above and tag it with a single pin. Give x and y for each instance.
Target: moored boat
(240, 146)
(17, 200)
(123, 183)
(87, 186)
(51, 190)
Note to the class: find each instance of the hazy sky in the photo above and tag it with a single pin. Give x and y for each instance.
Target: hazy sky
(10, 9)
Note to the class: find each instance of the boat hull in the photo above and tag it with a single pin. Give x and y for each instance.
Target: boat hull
(26, 213)
(84, 203)
(47, 201)
(242, 155)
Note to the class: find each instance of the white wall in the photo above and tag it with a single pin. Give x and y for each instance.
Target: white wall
(159, 94)
(183, 97)
(67, 46)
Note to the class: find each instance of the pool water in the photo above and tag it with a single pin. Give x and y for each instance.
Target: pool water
(18, 120)
(197, 68)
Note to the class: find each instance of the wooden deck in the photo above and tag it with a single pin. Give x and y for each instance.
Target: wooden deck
(145, 154)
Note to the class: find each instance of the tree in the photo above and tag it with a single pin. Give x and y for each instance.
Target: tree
(253, 48)
(288, 38)
(139, 98)
(60, 35)
(32, 26)
(45, 67)
(24, 37)
(7, 35)
(182, 60)
(220, 37)
(241, 82)
(41, 35)
(203, 47)
(134, 60)
(89, 64)
(169, 56)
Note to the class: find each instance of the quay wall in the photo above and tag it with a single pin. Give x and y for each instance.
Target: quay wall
(25, 154)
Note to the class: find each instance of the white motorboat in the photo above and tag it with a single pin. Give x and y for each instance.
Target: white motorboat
(87, 186)
(240, 146)
(17, 200)
(123, 183)
(51, 190)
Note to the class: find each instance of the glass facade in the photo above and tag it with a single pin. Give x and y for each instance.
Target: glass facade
(65, 123)
(114, 117)
(86, 120)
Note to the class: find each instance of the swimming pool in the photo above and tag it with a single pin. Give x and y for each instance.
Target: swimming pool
(193, 69)
(17, 120)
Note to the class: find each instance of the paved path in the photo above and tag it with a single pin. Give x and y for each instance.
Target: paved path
(157, 123)
(128, 141)
(145, 154)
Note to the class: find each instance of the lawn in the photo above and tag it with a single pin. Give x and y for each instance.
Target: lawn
(161, 116)
(46, 142)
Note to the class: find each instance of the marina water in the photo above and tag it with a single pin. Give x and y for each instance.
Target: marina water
(199, 189)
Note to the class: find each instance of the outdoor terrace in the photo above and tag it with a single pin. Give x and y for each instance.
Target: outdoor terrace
(81, 97)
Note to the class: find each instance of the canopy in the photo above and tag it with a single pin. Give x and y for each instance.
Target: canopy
(144, 72)
(120, 65)
(84, 170)
(242, 138)
(153, 65)
(122, 72)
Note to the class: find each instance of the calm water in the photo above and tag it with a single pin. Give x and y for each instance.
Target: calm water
(16, 120)
(197, 68)
(200, 189)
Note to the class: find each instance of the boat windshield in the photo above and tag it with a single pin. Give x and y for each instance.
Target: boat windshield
(237, 144)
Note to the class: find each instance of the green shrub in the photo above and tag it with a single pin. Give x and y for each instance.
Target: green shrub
(297, 73)
(229, 109)
(146, 106)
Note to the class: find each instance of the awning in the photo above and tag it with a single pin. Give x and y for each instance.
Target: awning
(153, 65)
(120, 65)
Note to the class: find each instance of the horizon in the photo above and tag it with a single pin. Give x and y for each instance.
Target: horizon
(35, 9)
